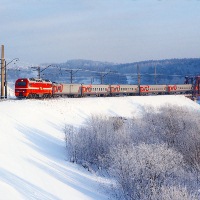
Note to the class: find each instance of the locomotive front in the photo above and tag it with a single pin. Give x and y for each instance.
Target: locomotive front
(21, 88)
(33, 88)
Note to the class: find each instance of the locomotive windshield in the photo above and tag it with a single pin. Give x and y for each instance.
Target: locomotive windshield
(21, 84)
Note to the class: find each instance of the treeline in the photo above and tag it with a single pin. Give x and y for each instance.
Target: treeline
(171, 71)
(156, 156)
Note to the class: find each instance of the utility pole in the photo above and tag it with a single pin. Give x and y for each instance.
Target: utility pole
(138, 74)
(92, 80)
(2, 71)
(103, 74)
(155, 78)
(6, 86)
(38, 70)
(72, 72)
(102, 77)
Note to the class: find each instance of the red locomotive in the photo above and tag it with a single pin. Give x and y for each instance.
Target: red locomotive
(33, 88)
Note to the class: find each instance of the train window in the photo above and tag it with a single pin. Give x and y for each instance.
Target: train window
(21, 83)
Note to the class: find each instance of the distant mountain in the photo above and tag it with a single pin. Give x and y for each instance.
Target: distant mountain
(168, 71)
(86, 64)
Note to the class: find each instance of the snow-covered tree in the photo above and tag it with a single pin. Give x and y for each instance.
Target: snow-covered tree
(141, 170)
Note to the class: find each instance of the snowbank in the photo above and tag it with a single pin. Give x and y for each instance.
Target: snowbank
(32, 148)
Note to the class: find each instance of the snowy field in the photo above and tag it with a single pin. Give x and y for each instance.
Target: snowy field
(33, 158)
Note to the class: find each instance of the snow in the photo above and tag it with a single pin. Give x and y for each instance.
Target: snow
(33, 158)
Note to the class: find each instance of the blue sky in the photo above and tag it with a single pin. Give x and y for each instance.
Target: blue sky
(121, 31)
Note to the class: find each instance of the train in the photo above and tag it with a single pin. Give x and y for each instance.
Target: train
(39, 88)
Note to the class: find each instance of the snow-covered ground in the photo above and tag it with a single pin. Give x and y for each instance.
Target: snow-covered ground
(33, 158)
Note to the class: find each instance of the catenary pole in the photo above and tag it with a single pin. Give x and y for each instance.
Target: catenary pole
(2, 71)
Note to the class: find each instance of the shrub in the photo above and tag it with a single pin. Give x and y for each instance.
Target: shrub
(141, 170)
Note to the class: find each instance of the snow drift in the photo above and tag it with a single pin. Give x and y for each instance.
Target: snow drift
(32, 148)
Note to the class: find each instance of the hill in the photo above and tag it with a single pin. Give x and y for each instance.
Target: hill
(34, 162)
